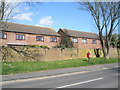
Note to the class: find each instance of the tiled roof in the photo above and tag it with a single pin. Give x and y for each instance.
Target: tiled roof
(13, 27)
(80, 34)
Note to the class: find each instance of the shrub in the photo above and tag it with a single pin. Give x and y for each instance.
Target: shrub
(67, 42)
(60, 46)
(38, 46)
(45, 47)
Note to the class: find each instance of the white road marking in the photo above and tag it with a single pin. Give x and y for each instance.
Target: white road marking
(106, 68)
(80, 83)
(116, 66)
(45, 77)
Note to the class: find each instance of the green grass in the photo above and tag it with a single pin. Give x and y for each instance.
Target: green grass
(23, 67)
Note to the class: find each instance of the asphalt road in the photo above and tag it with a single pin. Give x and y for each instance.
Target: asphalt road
(104, 78)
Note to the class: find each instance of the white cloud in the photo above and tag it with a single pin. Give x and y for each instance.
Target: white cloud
(24, 16)
(46, 21)
(17, 11)
(26, 8)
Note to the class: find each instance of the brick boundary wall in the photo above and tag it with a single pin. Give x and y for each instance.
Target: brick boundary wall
(22, 54)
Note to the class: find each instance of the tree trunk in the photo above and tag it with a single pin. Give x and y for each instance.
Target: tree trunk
(2, 10)
(103, 45)
(108, 49)
(96, 51)
(104, 52)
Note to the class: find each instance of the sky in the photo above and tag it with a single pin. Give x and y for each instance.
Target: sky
(55, 15)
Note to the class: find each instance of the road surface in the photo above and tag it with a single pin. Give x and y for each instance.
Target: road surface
(104, 78)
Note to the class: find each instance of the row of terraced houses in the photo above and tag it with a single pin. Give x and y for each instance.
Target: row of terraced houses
(19, 34)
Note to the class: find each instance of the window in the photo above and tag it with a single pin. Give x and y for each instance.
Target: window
(74, 40)
(3, 35)
(39, 38)
(84, 41)
(53, 39)
(20, 37)
(94, 41)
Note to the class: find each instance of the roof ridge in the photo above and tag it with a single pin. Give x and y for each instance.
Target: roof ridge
(78, 31)
(16, 27)
(31, 25)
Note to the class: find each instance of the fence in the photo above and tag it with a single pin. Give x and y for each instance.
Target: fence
(17, 54)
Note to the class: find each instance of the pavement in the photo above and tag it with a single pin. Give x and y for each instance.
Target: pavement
(56, 72)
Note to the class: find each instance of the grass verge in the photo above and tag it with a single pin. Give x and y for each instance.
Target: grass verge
(23, 67)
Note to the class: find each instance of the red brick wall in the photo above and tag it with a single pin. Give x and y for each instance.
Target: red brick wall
(81, 45)
(30, 39)
(88, 45)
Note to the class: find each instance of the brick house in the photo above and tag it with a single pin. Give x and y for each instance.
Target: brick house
(19, 34)
(82, 40)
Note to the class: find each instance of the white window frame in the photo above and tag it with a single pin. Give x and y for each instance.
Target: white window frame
(39, 38)
(84, 41)
(94, 42)
(20, 37)
(53, 39)
(75, 40)
(3, 35)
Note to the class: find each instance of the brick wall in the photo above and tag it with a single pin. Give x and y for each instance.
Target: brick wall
(30, 39)
(39, 54)
(88, 45)
(81, 45)
(53, 54)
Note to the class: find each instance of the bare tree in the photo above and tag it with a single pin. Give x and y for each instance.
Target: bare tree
(8, 10)
(106, 18)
